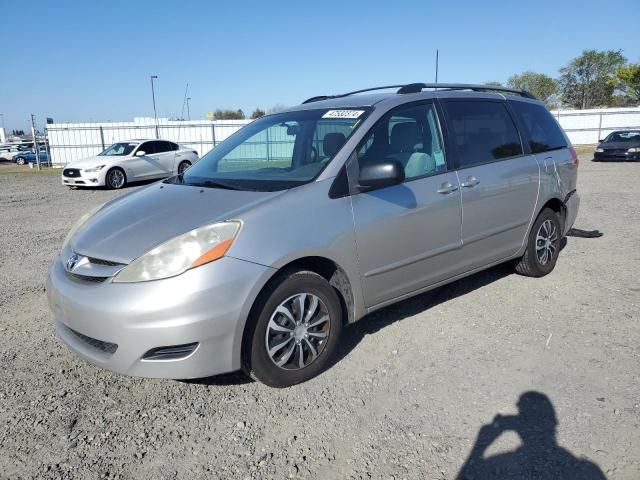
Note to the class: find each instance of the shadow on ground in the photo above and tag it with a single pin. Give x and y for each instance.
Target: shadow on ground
(538, 457)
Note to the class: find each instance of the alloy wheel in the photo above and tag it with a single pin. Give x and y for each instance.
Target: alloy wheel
(298, 331)
(546, 242)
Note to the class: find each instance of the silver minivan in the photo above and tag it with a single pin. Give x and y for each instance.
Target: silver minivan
(307, 220)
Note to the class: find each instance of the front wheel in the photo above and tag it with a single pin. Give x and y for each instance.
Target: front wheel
(20, 161)
(183, 166)
(294, 331)
(115, 178)
(543, 246)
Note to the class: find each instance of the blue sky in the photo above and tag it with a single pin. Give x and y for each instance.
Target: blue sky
(86, 60)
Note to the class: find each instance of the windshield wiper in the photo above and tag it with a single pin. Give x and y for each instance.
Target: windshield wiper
(212, 184)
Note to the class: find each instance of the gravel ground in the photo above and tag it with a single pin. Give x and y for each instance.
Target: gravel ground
(413, 386)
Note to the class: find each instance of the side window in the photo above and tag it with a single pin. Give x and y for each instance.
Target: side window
(410, 135)
(544, 131)
(173, 146)
(481, 131)
(162, 147)
(147, 148)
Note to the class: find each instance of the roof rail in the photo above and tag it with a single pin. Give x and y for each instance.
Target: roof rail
(418, 87)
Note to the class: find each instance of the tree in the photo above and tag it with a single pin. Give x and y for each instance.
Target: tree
(540, 85)
(257, 113)
(627, 80)
(278, 107)
(229, 114)
(586, 82)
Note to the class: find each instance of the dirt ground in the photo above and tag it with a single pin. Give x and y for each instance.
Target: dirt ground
(414, 393)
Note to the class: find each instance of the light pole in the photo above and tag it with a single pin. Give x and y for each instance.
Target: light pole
(188, 110)
(153, 96)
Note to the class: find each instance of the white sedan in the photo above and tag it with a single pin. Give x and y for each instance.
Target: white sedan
(130, 161)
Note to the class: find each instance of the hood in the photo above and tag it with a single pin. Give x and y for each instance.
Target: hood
(90, 162)
(133, 224)
(618, 145)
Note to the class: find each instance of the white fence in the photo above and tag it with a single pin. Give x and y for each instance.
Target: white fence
(72, 141)
(586, 127)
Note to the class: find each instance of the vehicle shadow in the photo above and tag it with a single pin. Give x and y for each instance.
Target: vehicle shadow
(539, 456)
(372, 323)
(233, 378)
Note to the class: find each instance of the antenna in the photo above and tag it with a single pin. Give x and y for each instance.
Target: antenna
(437, 55)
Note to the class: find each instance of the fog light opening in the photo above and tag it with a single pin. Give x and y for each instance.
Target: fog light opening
(174, 352)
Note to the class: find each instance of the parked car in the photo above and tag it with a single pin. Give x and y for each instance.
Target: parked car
(8, 152)
(308, 219)
(29, 156)
(130, 161)
(622, 145)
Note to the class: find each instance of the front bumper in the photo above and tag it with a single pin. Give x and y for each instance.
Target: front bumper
(94, 179)
(112, 325)
(617, 157)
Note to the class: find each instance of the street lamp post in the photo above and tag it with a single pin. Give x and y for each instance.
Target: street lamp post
(153, 96)
(188, 110)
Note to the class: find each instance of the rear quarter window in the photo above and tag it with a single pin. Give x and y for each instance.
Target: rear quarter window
(543, 131)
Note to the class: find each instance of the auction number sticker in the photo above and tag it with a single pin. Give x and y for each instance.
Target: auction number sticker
(343, 114)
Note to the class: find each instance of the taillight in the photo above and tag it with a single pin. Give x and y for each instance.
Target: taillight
(574, 156)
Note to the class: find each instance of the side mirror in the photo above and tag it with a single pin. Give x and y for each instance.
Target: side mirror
(381, 174)
(600, 141)
(140, 153)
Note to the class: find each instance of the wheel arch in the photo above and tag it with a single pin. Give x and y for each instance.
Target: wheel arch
(323, 266)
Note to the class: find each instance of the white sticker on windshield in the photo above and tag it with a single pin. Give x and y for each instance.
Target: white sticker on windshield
(343, 114)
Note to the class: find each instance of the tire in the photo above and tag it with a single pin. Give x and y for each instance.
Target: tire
(115, 178)
(540, 256)
(20, 161)
(183, 166)
(270, 326)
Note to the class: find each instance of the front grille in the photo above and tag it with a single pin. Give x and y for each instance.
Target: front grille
(86, 278)
(105, 347)
(99, 261)
(71, 172)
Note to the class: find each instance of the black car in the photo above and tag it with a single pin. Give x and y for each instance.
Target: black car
(622, 145)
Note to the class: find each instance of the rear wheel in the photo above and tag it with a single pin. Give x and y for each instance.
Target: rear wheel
(543, 246)
(294, 331)
(183, 166)
(115, 178)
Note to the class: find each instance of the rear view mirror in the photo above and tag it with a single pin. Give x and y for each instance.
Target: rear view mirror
(140, 153)
(381, 174)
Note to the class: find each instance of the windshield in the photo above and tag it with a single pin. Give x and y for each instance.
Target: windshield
(630, 136)
(119, 149)
(276, 152)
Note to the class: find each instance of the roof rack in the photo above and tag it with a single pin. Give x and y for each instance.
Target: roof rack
(418, 87)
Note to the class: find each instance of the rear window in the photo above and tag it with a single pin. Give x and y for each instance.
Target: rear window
(482, 132)
(544, 132)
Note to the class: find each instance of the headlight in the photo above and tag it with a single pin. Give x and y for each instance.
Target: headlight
(79, 224)
(634, 150)
(176, 256)
(94, 169)
(599, 150)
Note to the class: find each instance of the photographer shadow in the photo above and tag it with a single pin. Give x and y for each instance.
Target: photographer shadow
(538, 457)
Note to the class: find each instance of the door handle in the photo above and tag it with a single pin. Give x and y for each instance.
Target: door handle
(447, 188)
(470, 182)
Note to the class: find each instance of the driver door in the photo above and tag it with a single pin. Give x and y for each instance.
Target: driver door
(146, 166)
(408, 235)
